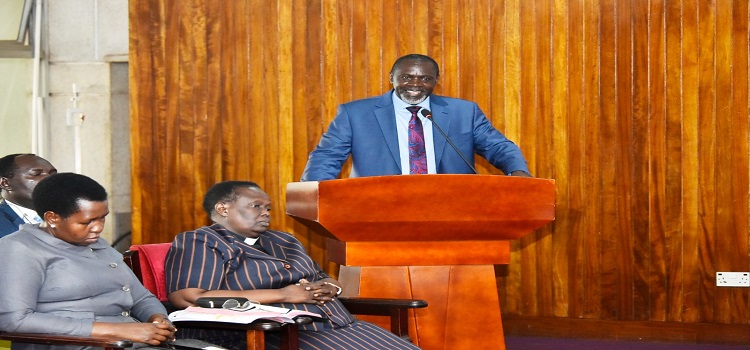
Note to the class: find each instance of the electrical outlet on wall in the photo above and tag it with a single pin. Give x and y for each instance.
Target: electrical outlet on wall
(733, 279)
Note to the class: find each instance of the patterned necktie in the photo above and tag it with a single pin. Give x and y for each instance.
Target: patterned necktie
(417, 153)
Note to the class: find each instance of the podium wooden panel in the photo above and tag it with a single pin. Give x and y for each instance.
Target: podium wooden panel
(431, 237)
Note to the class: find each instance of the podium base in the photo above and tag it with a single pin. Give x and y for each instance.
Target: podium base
(463, 309)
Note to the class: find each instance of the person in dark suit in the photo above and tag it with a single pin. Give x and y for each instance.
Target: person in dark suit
(19, 174)
(375, 131)
(238, 256)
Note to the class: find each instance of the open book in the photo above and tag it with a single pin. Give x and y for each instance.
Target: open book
(239, 315)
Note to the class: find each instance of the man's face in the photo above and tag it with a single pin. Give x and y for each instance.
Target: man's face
(249, 215)
(31, 170)
(414, 80)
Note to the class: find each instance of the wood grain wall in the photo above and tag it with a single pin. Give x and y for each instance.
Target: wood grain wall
(638, 109)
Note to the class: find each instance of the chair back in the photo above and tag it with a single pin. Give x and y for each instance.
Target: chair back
(147, 262)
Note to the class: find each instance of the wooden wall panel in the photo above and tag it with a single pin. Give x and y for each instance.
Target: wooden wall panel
(638, 109)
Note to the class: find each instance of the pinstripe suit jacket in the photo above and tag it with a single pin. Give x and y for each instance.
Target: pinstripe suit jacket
(212, 258)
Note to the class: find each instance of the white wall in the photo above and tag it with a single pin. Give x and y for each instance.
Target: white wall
(15, 89)
(87, 45)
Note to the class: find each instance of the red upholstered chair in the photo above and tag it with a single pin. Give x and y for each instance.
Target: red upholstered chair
(147, 262)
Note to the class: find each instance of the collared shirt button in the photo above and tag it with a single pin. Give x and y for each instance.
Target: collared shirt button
(329, 313)
(287, 266)
(125, 313)
(126, 288)
(113, 265)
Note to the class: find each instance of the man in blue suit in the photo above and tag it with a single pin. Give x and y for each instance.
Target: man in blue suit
(375, 131)
(19, 174)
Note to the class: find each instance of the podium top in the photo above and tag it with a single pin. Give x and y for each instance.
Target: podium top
(434, 207)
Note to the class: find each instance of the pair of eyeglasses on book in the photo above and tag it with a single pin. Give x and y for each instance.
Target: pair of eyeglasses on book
(237, 304)
(226, 303)
(234, 304)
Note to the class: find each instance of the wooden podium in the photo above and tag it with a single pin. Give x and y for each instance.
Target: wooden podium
(431, 237)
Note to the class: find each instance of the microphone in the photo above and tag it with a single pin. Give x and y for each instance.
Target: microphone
(427, 114)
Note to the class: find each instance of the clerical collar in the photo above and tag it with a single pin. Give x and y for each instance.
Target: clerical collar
(247, 240)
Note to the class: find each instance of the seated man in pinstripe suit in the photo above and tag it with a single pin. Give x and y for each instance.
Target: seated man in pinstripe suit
(238, 256)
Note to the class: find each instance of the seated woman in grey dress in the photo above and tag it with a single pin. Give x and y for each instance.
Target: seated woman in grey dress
(238, 256)
(60, 277)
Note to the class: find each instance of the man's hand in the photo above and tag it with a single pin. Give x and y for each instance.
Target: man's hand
(520, 173)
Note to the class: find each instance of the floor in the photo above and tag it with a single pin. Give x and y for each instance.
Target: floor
(540, 343)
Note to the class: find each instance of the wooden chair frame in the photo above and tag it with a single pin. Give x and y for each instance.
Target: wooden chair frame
(49, 339)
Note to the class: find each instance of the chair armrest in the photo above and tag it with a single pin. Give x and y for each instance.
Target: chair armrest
(380, 306)
(49, 339)
(397, 309)
(257, 325)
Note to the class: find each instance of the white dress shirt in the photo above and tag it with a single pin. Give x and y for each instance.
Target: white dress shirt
(28, 215)
(403, 116)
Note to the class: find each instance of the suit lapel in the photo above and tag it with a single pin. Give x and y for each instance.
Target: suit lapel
(270, 245)
(10, 214)
(441, 117)
(386, 118)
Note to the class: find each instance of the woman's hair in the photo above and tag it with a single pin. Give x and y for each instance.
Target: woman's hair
(226, 192)
(60, 193)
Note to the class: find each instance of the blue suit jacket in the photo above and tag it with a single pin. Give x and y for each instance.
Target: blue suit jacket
(9, 220)
(366, 130)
